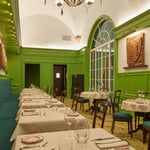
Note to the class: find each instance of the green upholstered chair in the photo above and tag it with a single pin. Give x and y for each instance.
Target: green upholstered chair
(119, 116)
(138, 115)
(79, 100)
(146, 130)
(115, 99)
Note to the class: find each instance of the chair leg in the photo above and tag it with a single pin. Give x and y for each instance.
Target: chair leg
(135, 121)
(110, 109)
(72, 103)
(83, 107)
(144, 136)
(149, 142)
(130, 129)
(113, 125)
(76, 105)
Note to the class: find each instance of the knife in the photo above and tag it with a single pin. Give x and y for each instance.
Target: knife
(105, 138)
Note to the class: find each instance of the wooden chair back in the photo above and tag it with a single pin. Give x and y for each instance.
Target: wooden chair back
(100, 109)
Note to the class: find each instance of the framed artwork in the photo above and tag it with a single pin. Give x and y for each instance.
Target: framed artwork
(135, 51)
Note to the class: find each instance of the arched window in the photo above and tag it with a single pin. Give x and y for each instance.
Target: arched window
(102, 57)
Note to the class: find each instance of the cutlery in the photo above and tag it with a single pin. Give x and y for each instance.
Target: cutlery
(105, 138)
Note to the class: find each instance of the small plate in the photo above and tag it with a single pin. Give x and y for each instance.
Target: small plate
(73, 114)
(32, 139)
(29, 110)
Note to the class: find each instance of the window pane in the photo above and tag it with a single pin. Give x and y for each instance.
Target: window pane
(102, 57)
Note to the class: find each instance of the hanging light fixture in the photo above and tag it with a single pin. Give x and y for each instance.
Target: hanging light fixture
(72, 3)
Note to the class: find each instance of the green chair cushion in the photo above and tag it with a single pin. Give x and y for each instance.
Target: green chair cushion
(146, 124)
(83, 100)
(122, 116)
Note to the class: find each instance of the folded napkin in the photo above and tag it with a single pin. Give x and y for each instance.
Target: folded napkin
(30, 113)
(112, 143)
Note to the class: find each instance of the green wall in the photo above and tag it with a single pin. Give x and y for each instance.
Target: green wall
(77, 62)
(131, 82)
(74, 60)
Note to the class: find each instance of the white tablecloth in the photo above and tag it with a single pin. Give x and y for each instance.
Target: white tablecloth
(54, 138)
(94, 95)
(42, 120)
(36, 98)
(40, 103)
(136, 105)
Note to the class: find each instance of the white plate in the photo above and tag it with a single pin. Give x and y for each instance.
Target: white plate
(32, 139)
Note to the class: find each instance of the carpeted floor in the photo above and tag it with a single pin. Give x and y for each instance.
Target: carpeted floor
(120, 128)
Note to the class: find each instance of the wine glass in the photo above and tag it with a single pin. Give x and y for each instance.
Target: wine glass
(139, 94)
(82, 131)
(68, 118)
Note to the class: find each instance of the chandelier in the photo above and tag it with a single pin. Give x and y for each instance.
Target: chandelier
(72, 3)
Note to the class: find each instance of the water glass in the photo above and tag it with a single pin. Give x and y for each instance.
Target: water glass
(65, 144)
(82, 131)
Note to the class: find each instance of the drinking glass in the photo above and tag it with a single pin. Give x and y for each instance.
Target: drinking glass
(68, 118)
(65, 144)
(82, 131)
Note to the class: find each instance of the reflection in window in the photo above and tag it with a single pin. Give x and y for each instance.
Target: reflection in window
(102, 57)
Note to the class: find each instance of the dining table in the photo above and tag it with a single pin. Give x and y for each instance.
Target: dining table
(95, 94)
(36, 98)
(35, 120)
(40, 103)
(137, 105)
(99, 139)
(91, 95)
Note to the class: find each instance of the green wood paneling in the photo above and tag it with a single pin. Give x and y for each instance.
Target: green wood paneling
(129, 82)
(74, 60)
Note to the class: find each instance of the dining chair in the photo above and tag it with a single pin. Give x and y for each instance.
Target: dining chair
(115, 99)
(100, 109)
(119, 116)
(79, 100)
(146, 130)
(139, 115)
(63, 95)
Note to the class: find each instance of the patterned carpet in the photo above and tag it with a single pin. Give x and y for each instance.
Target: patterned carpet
(120, 128)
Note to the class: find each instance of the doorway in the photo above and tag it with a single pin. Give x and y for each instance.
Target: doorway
(59, 79)
(32, 75)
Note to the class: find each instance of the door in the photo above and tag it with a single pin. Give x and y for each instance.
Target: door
(59, 79)
(32, 75)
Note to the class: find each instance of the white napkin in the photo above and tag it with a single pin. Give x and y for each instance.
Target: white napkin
(30, 113)
(112, 143)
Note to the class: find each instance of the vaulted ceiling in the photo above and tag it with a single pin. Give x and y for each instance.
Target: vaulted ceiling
(31, 23)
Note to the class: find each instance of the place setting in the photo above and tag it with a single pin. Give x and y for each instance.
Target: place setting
(34, 142)
(112, 144)
(30, 112)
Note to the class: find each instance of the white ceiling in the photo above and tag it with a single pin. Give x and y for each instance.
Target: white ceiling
(43, 26)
